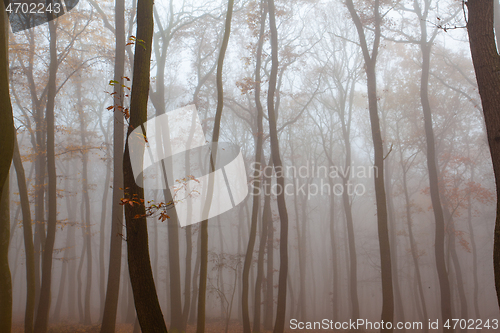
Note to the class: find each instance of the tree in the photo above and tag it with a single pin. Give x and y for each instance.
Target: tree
(42, 316)
(486, 63)
(202, 292)
(141, 276)
(256, 197)
(6, 151)
(279, 325)
(432, 166)
(28, 241)
(383, 232)
(115, 248)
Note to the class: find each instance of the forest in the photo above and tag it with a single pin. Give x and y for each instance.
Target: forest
(249, 166)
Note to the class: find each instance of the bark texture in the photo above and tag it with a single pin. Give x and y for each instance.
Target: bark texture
(487, 67)
(141, 276)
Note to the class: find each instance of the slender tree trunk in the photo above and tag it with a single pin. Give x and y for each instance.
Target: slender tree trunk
(86, 202)
(175, 299)
(279, 325)
(259, 159)
(176, 319)
(42, 316)
(40, 168)
(71, 293)
(400, 313)
(346, 201)
(474, 249)
(102, 232)
(456, 263)
(28, 241)
(220, 272)
(80, 301)
(62, 286)
(200, 325)
(256, 190)
(187, 277)
(444, 283)
(380, 195)
(486, 63)
(413, 249)
(115, 247)
(5, 278)
(335, 265)
(269, 302)
(7, 136)
(139, 264)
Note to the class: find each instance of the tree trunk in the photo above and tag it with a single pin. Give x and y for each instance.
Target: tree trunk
(474, 249)
(28, 241)
(256, 190)
(353, 258)
(200, 325)
(192, 311)
(115, 247)
(380, 196)
(187, 277)
(450, 228)
(444, 283)
(5, 278)
(6, 150)
(139, 264)
(279, 325)
(399, 311)
(80, 269)
(86, 202)
(486, 63)
(333, 244)
(102, 232)
(413, 248)
(42, 316)
(62, 286)
(269, 302)
(71, 295)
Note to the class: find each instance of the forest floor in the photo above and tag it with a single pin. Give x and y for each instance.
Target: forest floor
(211, 327)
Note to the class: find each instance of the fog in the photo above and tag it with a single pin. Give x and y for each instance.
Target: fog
(356, 183)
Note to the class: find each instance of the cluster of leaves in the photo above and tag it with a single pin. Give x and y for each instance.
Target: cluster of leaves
(121, 108)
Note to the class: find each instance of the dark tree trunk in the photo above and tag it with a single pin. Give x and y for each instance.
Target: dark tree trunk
(256, 190)
(115, 247)
(28, 241)
(6, 151)
(200, 325)
(141, 276)
(486, 63)
(279, 325)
